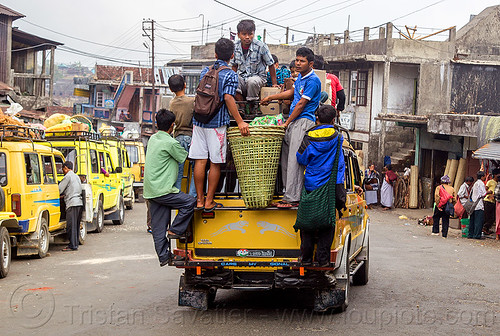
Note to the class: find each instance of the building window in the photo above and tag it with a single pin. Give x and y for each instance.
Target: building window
(361, 88)
(191, 83)
(99, 99)
(358, 85)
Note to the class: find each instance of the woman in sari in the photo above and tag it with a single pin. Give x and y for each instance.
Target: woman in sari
(497, 199)
(387, 190)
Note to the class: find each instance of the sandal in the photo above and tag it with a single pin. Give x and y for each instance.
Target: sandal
(68, 249)
(216, 206)
(287, 205)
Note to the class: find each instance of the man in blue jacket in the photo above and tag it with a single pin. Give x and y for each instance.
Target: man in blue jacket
(317, 152)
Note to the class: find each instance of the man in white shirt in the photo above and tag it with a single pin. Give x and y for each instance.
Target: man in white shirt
(477, 217)
(465, 190)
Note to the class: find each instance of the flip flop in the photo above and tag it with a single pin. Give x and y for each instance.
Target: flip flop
(216, 206)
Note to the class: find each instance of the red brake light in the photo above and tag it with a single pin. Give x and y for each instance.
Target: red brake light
(142, 171)
(16, 204)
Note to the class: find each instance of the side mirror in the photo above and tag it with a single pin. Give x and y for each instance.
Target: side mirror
(118, 170)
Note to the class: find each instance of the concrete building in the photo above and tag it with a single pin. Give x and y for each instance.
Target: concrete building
(33, 84)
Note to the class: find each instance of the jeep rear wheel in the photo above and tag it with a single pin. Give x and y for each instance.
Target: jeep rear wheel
(82, 234)
(130, 204)
(360, 278)
(99, 218)
(5, 252)
(121, 212)
(43, 239)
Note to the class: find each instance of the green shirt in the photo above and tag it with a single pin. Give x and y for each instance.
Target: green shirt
(163, 156)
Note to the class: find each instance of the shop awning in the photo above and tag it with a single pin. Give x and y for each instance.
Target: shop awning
(490, 151)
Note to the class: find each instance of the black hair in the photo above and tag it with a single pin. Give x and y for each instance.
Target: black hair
(68, 164)
(224, 49)
(176, 83)
(480, 174)
(389, 167)
(292, 64)
(164, 119)
(275, 58)
(469, 179)
(305, 52)
(319, 62)
(246, 26)
(495, 171)
(326, 114)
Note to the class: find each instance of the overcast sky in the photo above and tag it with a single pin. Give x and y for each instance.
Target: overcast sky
(118, 22)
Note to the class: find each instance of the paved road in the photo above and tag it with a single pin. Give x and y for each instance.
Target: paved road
(419, 284)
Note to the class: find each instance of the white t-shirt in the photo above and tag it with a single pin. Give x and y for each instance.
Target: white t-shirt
(478, 191)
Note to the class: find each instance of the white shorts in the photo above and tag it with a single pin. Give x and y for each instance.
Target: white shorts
(208, 143)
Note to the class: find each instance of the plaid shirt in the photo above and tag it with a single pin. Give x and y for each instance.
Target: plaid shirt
(228, 83)
(281, 74)
(256, 61)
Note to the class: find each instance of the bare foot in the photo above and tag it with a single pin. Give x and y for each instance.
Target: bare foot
(200, 203)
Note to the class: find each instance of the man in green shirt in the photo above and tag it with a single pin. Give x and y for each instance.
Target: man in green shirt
(160, 174)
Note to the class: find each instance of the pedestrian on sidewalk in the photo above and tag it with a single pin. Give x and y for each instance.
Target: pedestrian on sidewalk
(497, 199)
(489, 202)
(387, 190)
(477, 217)
(160, 174)
(443, 194)
(71, 188)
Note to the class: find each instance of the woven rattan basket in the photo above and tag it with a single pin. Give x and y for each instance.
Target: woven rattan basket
(256, 158)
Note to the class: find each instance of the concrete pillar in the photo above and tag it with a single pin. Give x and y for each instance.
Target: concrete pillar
(141, 104)
(8, 60)
(346, 36)
(389, 30)
(381, 33)
(385, 103)
(453, 34)
(332, 39)
(366, 33)
(51, 82)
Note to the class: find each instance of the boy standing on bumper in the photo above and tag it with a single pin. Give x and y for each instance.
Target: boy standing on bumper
(160, 174)
(318, 152)
(209, 139)
(306, 95)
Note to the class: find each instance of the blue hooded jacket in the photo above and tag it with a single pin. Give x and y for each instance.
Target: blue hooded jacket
(317, 152)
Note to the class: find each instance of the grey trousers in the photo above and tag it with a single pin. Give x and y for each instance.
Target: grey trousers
(160, 210)
(250, 87)
(293, 173)
(73, 218)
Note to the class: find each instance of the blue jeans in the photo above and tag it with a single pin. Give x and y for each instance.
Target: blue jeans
(185, 142)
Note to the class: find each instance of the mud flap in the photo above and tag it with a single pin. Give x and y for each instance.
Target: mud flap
(328, 298)
(191, 297)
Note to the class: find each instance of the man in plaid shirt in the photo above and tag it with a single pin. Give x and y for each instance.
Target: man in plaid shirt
(209, 139)
(251, 59)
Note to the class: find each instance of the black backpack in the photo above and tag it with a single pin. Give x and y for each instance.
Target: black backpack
(206, 101)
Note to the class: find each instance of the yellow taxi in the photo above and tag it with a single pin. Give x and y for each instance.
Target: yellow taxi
(28, 179)
(92, 161)
(137, 155)
(240, 248)
(121, 161)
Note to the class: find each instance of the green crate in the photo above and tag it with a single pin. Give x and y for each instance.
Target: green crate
(464, 223)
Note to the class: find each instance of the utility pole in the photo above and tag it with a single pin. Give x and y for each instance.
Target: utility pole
(287, 31)
(152, 38)
(264, 36)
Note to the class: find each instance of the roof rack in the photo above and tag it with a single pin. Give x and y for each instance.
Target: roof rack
(17, 132)
(72, 135)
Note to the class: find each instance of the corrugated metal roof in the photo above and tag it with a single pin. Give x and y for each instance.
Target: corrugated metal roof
(490, 151)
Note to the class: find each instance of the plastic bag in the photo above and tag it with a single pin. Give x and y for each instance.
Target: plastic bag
(268, 120)
(56, 119)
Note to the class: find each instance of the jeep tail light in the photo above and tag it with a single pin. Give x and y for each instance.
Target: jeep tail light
(16, 204)
(83, 178)
(142, 171)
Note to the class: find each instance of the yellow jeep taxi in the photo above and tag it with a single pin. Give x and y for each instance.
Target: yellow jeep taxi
(28, 179)
(8, 220)
(121, 161)
(137, 155)
(240, 248)
(92, 162)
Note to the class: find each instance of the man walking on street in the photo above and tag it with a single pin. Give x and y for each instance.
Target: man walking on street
(71, 188)
(160, 174)
(477, 217)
